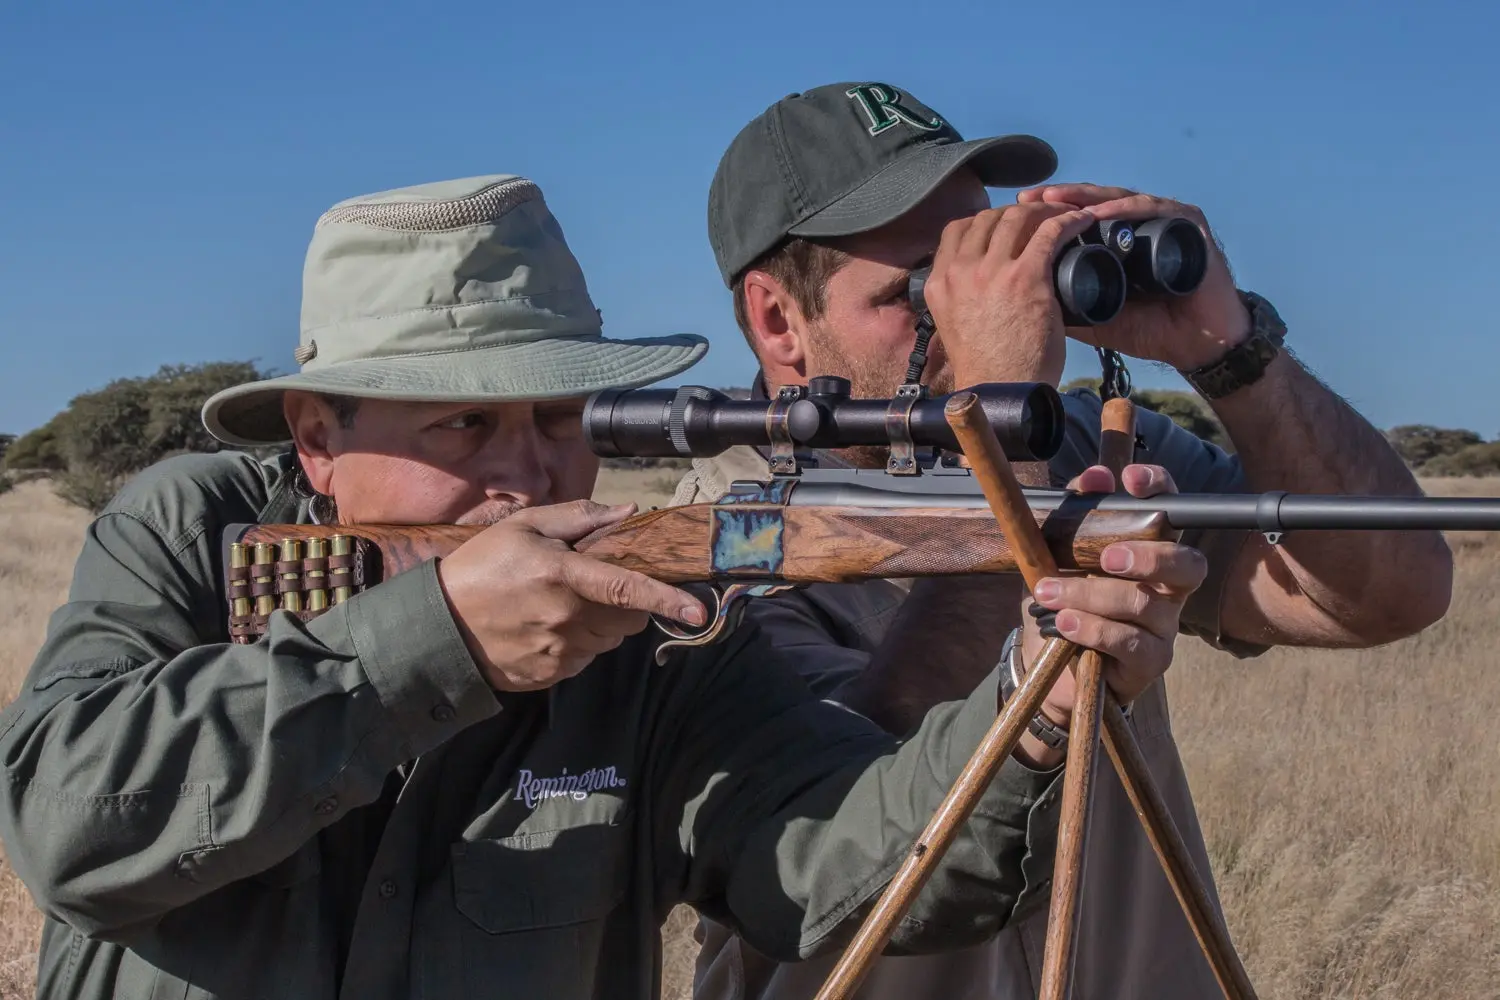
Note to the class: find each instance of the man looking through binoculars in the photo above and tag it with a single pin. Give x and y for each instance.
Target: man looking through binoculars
(820, 211)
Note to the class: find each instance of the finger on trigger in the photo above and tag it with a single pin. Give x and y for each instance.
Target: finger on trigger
(622, 588)
(606, 619)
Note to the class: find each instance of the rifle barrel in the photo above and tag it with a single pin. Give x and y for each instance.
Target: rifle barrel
(1274, 511)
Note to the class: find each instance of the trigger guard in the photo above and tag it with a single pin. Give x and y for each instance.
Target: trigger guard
(728, 608)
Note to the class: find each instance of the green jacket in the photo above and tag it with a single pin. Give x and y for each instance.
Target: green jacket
(346, 809)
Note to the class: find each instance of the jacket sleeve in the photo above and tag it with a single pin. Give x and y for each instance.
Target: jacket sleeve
(148, 762)
(792, 813)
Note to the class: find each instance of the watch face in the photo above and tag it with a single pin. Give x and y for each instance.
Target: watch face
(1263, 318)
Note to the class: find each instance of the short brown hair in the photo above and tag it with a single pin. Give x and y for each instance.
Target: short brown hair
(803, 268)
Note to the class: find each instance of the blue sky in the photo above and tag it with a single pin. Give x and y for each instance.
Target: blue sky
(161, 169)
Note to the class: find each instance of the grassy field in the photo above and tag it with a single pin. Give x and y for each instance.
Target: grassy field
(1351, 800)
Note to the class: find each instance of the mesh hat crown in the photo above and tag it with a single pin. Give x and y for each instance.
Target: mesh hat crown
(847, 158)
(461, 290)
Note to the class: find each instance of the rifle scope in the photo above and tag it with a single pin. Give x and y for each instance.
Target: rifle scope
(696, 421)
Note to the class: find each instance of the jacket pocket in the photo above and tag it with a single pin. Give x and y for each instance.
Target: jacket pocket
(534, 881)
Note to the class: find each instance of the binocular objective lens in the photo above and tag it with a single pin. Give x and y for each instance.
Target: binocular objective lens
(1169, 261)
(1086, 289)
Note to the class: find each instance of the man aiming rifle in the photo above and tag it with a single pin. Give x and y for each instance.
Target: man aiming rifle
(469, 778)
(819, 213)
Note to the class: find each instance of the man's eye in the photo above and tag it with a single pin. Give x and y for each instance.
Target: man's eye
(463, 421)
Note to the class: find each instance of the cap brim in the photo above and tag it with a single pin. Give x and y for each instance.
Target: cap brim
(1003, 161)
(251, 414)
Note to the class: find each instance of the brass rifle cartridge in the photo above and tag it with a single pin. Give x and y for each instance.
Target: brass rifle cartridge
(315, 581)
(343, 545)
(291, 595)
(263, 571)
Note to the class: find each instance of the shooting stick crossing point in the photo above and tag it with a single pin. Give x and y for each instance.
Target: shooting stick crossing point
(1034, 560)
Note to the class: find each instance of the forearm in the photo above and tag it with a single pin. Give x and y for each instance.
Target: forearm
(1354, 587)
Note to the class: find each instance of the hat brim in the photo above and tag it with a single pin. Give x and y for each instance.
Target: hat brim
(251, 414)
(1003, 161)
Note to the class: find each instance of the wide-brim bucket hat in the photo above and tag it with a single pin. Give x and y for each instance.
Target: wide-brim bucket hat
(461, 290)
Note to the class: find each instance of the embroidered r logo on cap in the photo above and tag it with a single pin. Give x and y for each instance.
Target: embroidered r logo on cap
(881, 104)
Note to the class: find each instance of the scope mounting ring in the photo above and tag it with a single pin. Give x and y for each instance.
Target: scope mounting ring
(903, 457)
(783, 461)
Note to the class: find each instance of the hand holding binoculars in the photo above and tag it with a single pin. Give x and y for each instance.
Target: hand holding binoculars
(1095, 271)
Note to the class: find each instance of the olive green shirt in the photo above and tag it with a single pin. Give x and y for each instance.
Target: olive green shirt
(346, 809)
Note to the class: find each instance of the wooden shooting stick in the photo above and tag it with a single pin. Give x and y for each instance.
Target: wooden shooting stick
(1095, 703)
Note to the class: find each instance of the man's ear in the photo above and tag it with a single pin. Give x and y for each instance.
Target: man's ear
(777, 326)
(312, 423)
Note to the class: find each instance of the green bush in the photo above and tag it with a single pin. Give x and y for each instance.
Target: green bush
(1481, 459)
(88, 488)
(1419, 444)
(37, 450)
(108, 435)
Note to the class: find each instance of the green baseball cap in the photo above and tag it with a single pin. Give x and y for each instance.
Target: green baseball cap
(847, 158)
(461, 290)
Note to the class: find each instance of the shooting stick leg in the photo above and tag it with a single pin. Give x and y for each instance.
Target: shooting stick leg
(1116, 450)
(1192, 892)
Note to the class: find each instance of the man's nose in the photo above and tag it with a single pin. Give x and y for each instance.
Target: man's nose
(517, 469)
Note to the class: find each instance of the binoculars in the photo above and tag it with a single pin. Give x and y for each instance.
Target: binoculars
(1095, 270)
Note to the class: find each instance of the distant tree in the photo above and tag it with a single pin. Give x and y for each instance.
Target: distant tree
(1482, 459)
(107, 435)
(5, 442)
(1419, 444)
(37, 449)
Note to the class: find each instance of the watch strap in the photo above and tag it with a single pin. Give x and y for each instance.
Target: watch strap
(1244, 363)
(1011, 672)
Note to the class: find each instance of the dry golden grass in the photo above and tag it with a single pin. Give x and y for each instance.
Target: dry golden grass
(1351, 799)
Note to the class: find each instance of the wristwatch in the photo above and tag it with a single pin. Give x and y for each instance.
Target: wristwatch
(1011, 673)
(1244, 363)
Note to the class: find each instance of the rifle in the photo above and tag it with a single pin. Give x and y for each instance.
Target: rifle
(920, 517)
(916, 518)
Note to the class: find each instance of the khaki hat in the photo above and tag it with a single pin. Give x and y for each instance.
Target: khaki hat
(461, 290)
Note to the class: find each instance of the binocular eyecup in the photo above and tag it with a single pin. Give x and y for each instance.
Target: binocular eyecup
(1096, 271)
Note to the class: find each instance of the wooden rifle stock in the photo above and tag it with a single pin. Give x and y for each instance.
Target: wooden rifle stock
(816, 544)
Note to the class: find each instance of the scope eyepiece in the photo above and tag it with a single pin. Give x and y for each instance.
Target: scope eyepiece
(699, 422)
